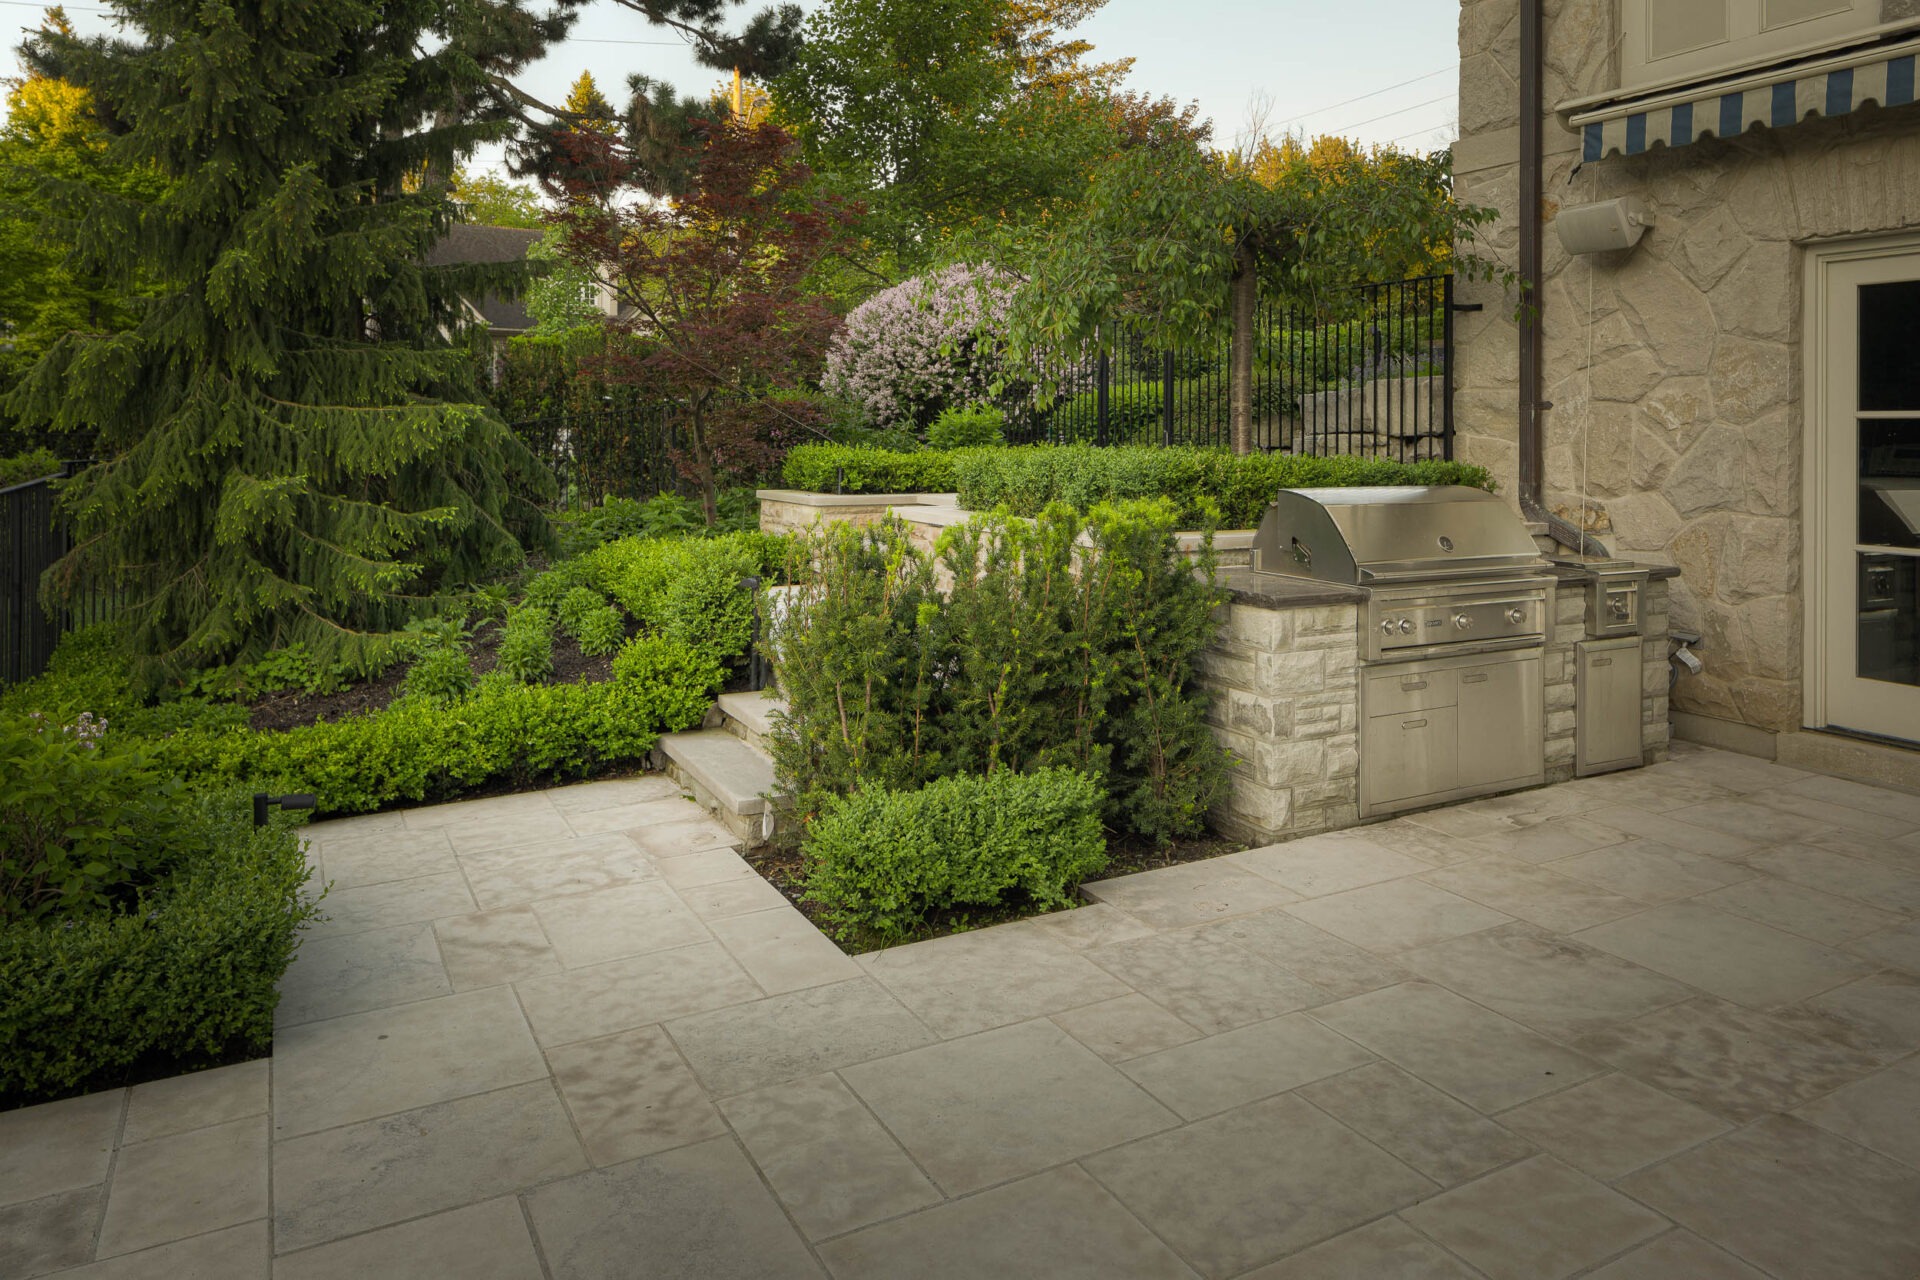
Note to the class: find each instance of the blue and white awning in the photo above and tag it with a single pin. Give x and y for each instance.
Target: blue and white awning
(1830, 87)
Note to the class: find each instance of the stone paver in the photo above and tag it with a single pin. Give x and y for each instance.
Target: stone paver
(1657, 1024)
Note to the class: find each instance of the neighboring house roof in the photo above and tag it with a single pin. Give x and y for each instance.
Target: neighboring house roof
(468, 243)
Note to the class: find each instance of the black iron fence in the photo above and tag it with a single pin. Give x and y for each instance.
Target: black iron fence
(1372, 376)
(625, 452)
(34, 538)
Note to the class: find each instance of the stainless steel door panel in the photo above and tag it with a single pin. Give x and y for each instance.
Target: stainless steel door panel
(1414, 753)
(1502, 721)
(1607, 692)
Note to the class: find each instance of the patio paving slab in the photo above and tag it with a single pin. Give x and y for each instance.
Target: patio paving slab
(382, 856)
(1881, 1112)
(1539, 895)
(1205, 981)
(1608, 1127)
(340, 1182)
(237, 1253)
(186, 1184)
(801, 1033)
(584, 1004)
(1881, 1012)
(58, 1146)
(393, 902)
(1538, 1220)
(781, 950)
(698, 1213)
(486, 1241)
(1739, 1062)
(1004, 1104)
(1188, 894)
(1730, 956)
(970, 982)
(1334, 965)
(1315, 866)
(330, 977)
(373, 1064)
(613, 793)
(1898, 946)
(1127, 1027)
(1668, 829)
(489, 948)
(1251, 1185)
(1648, 871)
(826, 1157)
(1224, 1071)
(612, 924)
(1677, 1255)
(1796, 908)
(1550, 983)
(1397, 915)
(1487, 1061)
(632, 1094)
(514, 874)
(194, 1101)
(1060, 1225)
(48, 1234)
(1443, 1138)
(1794, 1200)
(1866, 822)
(1385, 1248)
(1874, 883)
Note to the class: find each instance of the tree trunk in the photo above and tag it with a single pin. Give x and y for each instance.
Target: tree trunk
(703, 463)
(1246, 287)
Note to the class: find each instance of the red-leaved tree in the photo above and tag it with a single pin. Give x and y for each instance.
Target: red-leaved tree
(717, 279)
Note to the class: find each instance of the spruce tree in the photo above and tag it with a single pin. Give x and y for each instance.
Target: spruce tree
(292, 443)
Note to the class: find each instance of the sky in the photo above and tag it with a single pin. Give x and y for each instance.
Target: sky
(1377, 70)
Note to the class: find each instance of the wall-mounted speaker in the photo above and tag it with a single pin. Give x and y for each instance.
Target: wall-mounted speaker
(1601, 227)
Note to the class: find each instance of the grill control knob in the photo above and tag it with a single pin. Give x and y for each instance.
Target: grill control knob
(1516, 616)
(1463, 621)
(1406, 626)
(1386, 626)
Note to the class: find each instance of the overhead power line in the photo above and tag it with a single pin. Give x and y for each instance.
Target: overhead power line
(1347, 102)
(1445, 97)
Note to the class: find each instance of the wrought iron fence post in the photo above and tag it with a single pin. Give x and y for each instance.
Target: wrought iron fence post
(1101, 375)
(1446, 367)
(1166, 399)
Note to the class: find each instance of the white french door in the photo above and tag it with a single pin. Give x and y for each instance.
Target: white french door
(1864, 490)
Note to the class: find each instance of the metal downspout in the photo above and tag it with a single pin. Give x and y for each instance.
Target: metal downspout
(1532, 196)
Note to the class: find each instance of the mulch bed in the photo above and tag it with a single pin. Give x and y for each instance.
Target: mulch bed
(780, 864)
(292, 708)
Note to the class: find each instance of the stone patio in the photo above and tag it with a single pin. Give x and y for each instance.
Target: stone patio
(1658, 1024)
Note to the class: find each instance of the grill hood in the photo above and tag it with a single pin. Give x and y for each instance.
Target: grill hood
(1376, 536)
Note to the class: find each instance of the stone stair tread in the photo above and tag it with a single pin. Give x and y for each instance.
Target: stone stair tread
(729, 769)
(754, 711)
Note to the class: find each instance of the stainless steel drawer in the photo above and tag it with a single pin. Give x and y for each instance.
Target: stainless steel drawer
(1410, 691)
(1411, 754)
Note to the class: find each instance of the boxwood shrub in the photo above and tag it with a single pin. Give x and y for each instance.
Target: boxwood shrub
(419, 749)
(1238, 487)
(882, 864)
(816, 467)
(187, 971)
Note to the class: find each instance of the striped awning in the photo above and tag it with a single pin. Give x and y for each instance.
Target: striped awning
(1829, 87)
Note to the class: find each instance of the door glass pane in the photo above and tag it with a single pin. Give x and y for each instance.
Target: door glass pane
(1889, 337)
(1890, 618)
(1889, 483)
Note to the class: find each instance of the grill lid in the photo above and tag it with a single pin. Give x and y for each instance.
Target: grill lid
(1367, 536)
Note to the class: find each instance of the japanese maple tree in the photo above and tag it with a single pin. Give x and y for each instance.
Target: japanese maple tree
(718, 280)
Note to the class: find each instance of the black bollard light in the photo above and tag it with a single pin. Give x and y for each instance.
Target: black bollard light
(262, 802)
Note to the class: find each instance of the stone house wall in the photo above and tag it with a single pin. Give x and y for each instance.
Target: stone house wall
(1674, 368)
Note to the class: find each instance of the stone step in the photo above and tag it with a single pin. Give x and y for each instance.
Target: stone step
(749, 716)
(726, 774)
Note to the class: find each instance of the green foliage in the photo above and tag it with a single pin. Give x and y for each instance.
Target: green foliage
(1204, 486)
(549, 588)
(493, 201)
(1135, 414)
(883, 864)
(562, 298)
(816, 467)
(421, 750)
(191, 970)
(89, 671)
(665, 515)
(442, 673)
(596, 626)
(689, 589)
(31, 465)
(293, 445)
(525, 655)
(967, 428)
(1065, 641)
(83, 822)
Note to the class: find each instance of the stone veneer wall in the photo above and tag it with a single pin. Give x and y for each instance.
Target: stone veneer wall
(1674, 368)
(1286, 703)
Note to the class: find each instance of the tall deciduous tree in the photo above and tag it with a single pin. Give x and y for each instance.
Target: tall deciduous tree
(718, 280)
(1181, 240)
(292, 449)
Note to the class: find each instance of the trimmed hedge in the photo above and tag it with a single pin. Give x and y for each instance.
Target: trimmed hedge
(882, 863)
(813, 467)
(688, 589)
(189, 972)
(1237, 487)
(422, 750)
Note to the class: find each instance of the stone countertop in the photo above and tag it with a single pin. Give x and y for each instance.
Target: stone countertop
(1274, 591)
(810, 498)
(1566, 572)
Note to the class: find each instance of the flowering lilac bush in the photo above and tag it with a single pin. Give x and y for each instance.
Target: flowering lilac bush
(912, 351)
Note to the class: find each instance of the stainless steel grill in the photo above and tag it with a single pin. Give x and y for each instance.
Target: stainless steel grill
(1451, 636)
